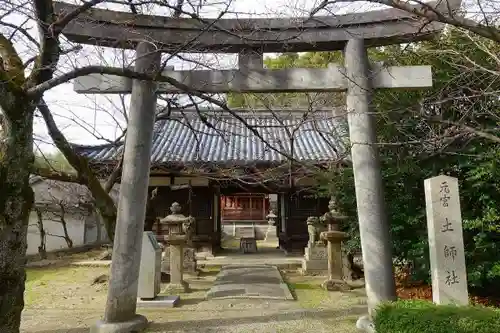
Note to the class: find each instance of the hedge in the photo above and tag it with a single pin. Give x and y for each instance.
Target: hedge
(418, 316)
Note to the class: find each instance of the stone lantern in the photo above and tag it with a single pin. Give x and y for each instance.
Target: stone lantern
(271, 233)
(179, 231)
(334, 237)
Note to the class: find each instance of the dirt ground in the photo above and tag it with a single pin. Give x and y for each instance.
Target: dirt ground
(61, 298)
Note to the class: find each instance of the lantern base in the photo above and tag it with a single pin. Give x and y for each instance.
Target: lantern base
(177, 288)
(336, 285)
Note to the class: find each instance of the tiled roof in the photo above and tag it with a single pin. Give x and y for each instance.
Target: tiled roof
(187, 139)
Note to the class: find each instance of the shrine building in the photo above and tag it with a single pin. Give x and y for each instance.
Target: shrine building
(228, 170)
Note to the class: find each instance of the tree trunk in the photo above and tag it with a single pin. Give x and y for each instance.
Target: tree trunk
(68, 240)
(16, 200)
(42, 248)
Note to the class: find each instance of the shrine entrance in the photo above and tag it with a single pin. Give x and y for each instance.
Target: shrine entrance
(357, 76)
(244, 207)
(243, 210)
(245, 214)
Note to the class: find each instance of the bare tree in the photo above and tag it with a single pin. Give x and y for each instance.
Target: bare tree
(42, 248)
(477, 16)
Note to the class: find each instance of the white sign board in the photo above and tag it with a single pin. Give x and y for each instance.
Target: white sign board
(446, 244)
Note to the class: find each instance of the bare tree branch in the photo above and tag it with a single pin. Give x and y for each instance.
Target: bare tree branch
(428, 12)
(471, 130)
(58, 175)
(104, 203)
(21, 30)
(58, 25)
(113, 177)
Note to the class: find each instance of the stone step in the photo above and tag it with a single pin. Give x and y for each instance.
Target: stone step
(249, 282)
(218, 265)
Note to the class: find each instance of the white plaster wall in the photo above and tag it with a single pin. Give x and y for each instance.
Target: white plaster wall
(82, 223)
(76, 231)
(92, 224)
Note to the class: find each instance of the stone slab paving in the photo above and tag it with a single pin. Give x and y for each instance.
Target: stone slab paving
(64, 301)
(250, 281)
(214, 316)
(264, 316)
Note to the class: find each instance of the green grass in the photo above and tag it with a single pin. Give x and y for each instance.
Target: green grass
(35, 274)
(38, 280)
(44, 284)
(306, 290)
(305, 286)
(309, 295)
(426, 317)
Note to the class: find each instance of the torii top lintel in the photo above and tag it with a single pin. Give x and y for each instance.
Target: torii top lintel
(328, 33)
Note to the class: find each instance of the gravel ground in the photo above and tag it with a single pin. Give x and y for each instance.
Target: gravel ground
(63, 299)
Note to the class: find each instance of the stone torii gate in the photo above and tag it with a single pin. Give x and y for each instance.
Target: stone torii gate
(250, 38)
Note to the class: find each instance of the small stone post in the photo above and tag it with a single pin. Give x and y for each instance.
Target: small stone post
(179, 233)
(373, 227)
(120, 314)
(446, 243)
(334, 237)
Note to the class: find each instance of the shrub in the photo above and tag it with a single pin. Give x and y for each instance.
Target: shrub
(426, 317)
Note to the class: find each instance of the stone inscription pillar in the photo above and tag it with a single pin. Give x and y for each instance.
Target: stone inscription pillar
(446, 241)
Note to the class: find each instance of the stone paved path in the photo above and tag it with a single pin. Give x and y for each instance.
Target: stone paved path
(64, 301)
(254, 315)
(249, 281)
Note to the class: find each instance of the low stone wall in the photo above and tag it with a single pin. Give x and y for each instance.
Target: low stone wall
(231, 229)
(67, 251)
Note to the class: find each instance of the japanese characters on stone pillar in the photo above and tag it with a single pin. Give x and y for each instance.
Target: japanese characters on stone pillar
(446, 244)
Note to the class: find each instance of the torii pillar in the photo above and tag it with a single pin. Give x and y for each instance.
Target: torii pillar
(120, 314)
(376, 244)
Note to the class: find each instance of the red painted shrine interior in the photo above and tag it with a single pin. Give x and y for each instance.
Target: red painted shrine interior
(244, 207)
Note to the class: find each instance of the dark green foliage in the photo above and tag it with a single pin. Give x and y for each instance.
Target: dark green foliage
(416, 145)
(426, 317)
(481, 213)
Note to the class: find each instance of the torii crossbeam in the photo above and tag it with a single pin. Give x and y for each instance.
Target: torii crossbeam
(257, 80)
(300, 34)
